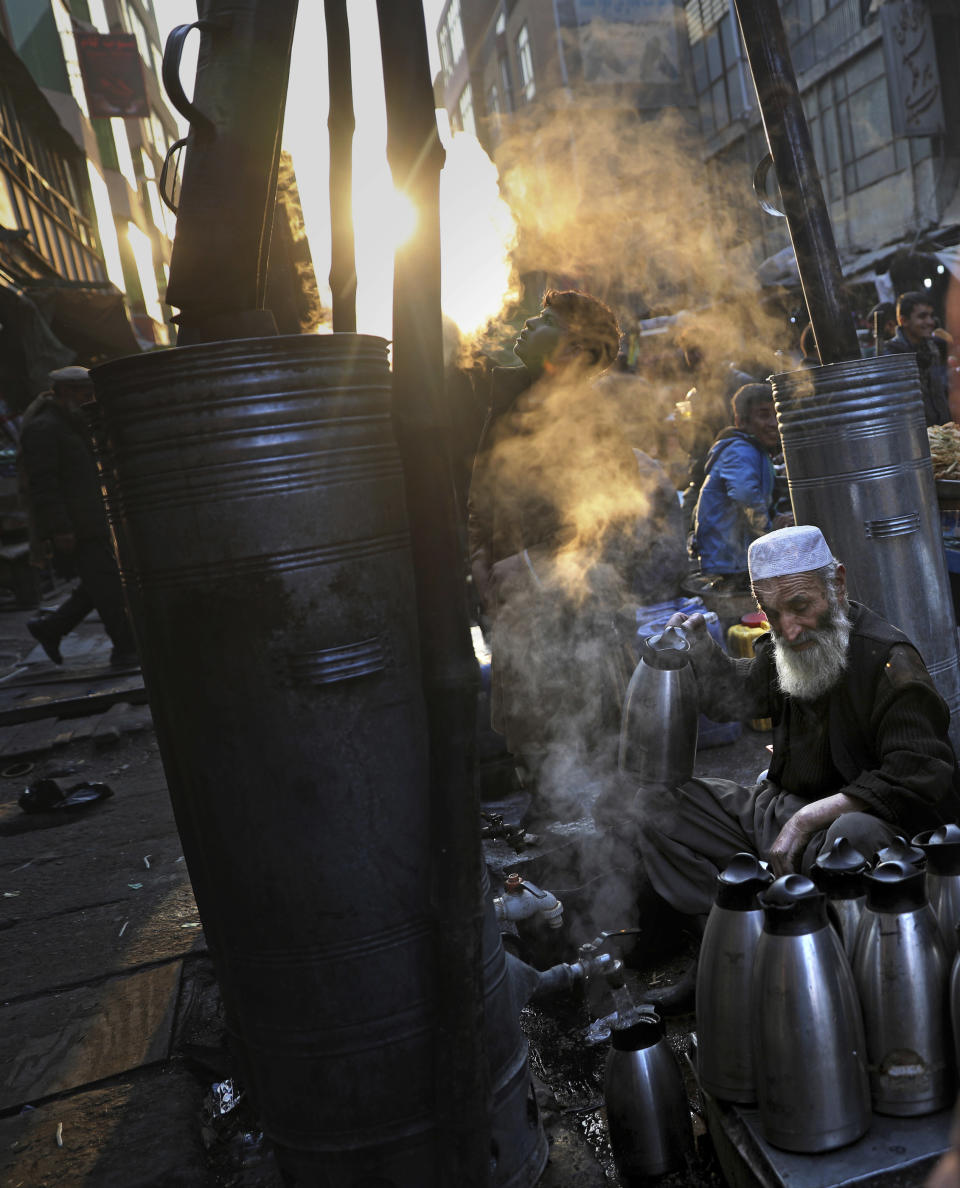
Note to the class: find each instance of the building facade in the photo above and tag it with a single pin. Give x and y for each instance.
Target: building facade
(81, 192)
(877, 78)
(498, 56)
(881, 95)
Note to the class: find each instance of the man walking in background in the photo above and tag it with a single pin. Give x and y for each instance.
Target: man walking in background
(62, 487)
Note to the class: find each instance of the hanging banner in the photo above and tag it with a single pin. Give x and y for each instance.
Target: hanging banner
(913, 78)
(112, 75)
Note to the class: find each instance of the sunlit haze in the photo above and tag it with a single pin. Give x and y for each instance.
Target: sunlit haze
(477, 228)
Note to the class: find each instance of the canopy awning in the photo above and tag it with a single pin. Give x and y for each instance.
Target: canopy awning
(92, 319)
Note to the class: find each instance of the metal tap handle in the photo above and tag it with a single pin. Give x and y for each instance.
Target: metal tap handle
(615, 934)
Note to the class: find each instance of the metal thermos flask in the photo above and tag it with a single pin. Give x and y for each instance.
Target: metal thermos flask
(809, 1051)
(647, 1110)
(901, 969)
(658, 732)
(955, 1002)
(724, 974)
(942, 848)
(839, 873)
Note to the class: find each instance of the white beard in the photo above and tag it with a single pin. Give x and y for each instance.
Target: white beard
(812, 672)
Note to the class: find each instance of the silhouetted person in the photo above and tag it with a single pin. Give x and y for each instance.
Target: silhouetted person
(62, 487)
(554, 502)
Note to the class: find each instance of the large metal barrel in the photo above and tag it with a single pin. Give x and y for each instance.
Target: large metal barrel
(858, 465)
(257, 499)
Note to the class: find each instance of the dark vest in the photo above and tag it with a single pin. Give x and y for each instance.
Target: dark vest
(852, 744)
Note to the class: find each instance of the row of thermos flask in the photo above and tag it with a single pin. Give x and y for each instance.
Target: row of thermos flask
(819, 998)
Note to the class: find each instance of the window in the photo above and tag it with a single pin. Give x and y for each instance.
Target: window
(493, 100)
(139, 30)
(466, 111)
(451, 37)
(124, 156)
(446, 53)
(525, 64)
(142, 247)
(501, 26)
(702, 15)
(505, 87)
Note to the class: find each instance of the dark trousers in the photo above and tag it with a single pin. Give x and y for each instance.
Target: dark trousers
(99, 588)
(688, 835)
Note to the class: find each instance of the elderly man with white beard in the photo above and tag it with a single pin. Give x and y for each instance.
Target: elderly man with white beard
(860, 746)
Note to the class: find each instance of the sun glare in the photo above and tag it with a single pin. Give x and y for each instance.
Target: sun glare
(478, 235)
(401, 216)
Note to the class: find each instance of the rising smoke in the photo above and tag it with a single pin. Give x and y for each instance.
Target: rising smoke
(625, 208)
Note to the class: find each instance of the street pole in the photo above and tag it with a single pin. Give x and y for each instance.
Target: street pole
(341, 125)
(788, 139)
(422, 427)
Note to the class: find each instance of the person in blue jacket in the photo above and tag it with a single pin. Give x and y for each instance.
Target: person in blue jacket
(736, 499)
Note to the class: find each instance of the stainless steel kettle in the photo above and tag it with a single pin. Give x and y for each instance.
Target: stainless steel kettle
(942, 848)
(658, 731)
(809, 1051)
(725, 1016)
(647, 1110)
(901, 969)
(839, 873)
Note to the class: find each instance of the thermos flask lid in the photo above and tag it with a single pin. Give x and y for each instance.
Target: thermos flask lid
(841, 858)
(942, 849)
(669, 649)
(896, 886)
(900, 850)
(738, 885)
(793, 906)
(839, 870)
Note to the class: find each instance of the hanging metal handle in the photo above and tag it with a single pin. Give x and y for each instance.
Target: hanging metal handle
(169, 178)
(760, 187)
(170, 72)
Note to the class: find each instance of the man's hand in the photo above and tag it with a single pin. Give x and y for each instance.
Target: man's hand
(783, 520)
(785, 853)
(695, 629)
(694, 625)
(64, 542)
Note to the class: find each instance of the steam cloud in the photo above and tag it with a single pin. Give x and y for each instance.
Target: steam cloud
(623, 208)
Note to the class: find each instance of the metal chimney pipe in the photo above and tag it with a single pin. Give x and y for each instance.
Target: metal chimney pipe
(340, 125)
(218, 268)
(808, 221)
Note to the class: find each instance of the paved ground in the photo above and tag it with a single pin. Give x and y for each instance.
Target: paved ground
(110, 1029)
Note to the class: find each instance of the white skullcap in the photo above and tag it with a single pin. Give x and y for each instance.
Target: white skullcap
(69, 375)
(788, 550)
